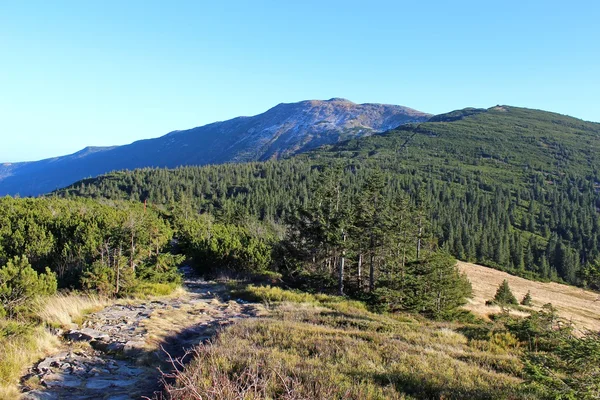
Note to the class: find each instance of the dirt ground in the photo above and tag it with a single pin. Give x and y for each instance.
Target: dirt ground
(580, 306)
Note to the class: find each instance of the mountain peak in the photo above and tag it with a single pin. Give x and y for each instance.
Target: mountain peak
(339, 100)
(283, 130)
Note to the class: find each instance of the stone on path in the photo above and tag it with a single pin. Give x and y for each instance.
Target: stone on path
(86, 334)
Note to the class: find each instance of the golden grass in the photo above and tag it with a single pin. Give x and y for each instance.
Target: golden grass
(146, 290)
(574, 304)
(64, 310)
(18, 351)
(327, 347)
(171, 321)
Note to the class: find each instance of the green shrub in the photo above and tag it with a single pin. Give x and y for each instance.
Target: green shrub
(503, 341)
(218, 247)
(109, 280)
(570, 370)
(20, 285)
(161, 269)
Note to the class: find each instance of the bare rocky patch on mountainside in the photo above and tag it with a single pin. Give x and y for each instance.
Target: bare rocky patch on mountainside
(116, 353)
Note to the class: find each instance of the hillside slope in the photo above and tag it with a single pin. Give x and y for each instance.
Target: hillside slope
(573, 304)
(282, 130)
(508, 187)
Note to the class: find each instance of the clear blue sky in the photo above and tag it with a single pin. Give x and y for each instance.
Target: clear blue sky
(83, 73)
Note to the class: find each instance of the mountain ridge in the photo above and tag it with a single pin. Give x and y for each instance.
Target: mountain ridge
(285, 129)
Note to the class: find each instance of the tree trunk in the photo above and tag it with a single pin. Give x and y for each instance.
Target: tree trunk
(372, 263)
(117, 274)
(360, 271)
(419, 238)
(341, 277)
(131, 265)
(342, 261)
(372, 272)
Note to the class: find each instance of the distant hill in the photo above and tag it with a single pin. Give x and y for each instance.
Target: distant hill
(284, 129)
(513, 188)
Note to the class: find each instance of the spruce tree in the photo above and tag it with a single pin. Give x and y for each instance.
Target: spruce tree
(434, 286)
(527, 300)
(370, 219)
(504, 296)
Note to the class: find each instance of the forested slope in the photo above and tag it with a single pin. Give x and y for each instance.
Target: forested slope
(507, 187)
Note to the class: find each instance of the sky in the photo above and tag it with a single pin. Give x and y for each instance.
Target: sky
(81, 73)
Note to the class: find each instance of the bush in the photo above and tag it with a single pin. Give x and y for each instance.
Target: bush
(103, 278)
(503, 342)
(570, 370)
(20, 285)
(217, 248)
(161, 269)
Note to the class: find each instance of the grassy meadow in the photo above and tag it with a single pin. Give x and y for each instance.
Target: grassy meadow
(326, 347)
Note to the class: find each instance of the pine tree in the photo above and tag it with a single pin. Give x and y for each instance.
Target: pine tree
(504, 296)
(527, 300)
(370, 220)
(434, 286)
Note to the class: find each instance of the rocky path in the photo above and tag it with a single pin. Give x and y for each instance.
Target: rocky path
(115, 354)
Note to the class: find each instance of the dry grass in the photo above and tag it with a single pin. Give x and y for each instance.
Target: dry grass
(165, 325)
(64, 310)
(325, 347)
(18, 350)
(574, 304)
(169, 322)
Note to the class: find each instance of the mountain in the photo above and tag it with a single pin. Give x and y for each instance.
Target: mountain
(283, 130)
(508, 187)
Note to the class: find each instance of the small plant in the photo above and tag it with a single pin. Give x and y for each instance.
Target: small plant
(527, 300)
(502, 342)
(504, 296)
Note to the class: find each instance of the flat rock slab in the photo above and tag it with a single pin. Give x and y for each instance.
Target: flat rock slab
(86, 334)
